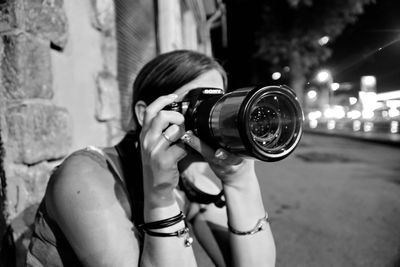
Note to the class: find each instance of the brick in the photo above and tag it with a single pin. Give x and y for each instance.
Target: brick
(109, 52)
(25, 189)
(11, 14)
(32, 181)
(104, 15)
(108, 103)
(37, 131)
(26, 67)
(47, 19)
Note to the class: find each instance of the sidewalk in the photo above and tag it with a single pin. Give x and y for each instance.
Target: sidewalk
(382, 138)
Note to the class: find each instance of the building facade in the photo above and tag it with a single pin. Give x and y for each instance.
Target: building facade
(66, 74)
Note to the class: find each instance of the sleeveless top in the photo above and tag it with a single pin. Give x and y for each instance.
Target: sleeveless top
(49, 246)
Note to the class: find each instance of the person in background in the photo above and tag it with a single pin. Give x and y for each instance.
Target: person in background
(125, 206)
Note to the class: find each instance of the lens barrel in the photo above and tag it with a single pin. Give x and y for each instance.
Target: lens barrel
(262, 122)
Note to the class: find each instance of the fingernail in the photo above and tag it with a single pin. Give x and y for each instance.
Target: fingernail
(173, 96)
(220, 154)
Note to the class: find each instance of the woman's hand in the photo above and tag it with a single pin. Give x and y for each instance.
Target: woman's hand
(231, 169)
(160, 152)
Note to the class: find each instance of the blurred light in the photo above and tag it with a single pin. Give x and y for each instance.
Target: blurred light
(312, 94)
(323, 40)
(368, 126)
(329, 113)
(276, 75)
(394, 126)
(336, 112)
(314, 115)
(394, 106)
(354, 114)
(313, 124)
(352, 100)
(369, 80)
(393, 112)
(388, 96)
(331, 124)
(323, 76)
(367, 114)
(340, 113)
(335, 86)
(356, 125)
(286, 69)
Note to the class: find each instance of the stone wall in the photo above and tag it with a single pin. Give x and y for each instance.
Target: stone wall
(58, 93)
(62, 87)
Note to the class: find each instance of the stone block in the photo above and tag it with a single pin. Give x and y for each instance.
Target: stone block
(108, 102)
(26, 67)
(25, 189)
(11, 14)
(109, 51)
(104, 15)
(26, 186)
(47, 19)
(37, 131)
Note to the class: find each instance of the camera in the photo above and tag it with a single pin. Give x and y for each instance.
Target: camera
(261, 122)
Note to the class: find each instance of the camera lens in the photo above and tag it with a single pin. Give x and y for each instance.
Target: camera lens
(272, 122)
(265, 123)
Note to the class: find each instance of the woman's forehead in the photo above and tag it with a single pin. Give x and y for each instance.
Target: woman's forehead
(212, 79)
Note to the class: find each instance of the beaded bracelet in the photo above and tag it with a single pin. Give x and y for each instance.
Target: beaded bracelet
(261, 225)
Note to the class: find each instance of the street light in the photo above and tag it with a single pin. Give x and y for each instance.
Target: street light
(276, 75)
(324, 77)
(323, 40)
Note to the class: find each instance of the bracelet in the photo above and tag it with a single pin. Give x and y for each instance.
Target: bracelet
(184, 232)
(163, 223)
(261, 224)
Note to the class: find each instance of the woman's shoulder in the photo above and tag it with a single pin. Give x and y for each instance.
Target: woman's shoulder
(84, 178)
(81, 166)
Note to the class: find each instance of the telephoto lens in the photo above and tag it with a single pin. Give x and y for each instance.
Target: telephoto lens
(261, 122)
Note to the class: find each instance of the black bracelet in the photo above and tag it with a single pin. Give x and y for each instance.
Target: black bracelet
(163, 223)
(184, 232)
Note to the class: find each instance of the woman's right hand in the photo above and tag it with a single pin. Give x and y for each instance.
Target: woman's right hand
(160, 152)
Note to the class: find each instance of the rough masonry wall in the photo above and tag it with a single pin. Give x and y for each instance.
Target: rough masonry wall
(34, 131)
(36, 125)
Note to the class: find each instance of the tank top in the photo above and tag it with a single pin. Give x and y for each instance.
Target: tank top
(49, 246)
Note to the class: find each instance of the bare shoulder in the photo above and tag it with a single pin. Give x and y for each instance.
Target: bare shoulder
(92, 209)
(85, 180)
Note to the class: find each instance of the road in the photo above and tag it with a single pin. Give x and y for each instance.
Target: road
(335, 202)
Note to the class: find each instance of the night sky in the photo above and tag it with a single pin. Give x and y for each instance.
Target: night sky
(371, 46)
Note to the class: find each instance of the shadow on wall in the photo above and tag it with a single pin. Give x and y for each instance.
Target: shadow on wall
(25, 218)
(13, 252)
(7, 245)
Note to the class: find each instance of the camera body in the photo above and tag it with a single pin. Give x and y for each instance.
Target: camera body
(261, 122)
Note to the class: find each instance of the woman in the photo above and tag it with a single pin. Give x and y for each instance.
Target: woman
(121, 206)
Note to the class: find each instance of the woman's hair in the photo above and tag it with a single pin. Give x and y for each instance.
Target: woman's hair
(167, 72)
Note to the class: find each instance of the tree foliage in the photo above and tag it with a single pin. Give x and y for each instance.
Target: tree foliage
(289, 31)
(297, 25)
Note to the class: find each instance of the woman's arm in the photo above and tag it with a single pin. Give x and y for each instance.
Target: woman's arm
(244, 207)
(160, 155)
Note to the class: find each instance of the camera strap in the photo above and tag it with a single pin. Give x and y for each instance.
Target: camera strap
(194, 194)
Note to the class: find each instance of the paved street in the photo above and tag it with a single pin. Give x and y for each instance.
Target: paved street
(335, 202)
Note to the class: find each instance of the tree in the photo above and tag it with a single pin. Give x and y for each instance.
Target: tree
(289, 33)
